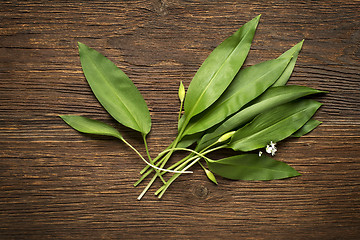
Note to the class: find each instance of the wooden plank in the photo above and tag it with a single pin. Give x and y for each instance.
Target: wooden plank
(59, 184)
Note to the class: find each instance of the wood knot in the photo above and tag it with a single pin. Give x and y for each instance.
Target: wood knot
(201, 191)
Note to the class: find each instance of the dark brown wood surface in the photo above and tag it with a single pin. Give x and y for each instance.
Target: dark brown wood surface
(59, 184)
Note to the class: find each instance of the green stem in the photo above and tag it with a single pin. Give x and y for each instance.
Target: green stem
(147, 188)
(169, 152)
(154, 177)
(151, 165)
(202, 166)
(181, 106)
(164, 159)
(196, 153)
(149, 157)
(177, 163)
(175, 142)
(172, 145)
(172, 179)
(144, 175)
(155, 159)
(162, 173)
(183, 164)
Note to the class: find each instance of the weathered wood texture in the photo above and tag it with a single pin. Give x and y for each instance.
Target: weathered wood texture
(59, 184)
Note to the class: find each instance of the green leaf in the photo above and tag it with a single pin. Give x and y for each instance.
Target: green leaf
(294, 52)
(87, 125)
(308, 127)
(114, 90)
(271, 98)
(248, 84)
(218, 70)
(189, 140)
(251, 167)
(273, 125)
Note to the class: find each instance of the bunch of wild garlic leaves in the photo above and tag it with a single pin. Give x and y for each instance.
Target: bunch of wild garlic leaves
(224, 107)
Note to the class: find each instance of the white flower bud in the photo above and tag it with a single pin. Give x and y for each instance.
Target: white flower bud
(181, 92)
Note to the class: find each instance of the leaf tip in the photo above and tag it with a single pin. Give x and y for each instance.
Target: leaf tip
(255, 20)
(300, 44)
(81, 45)
(324, 92)
(297, 47)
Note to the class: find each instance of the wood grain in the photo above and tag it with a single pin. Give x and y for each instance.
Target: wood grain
(59, 184)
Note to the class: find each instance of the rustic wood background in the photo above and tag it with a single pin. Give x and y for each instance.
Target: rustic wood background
(59, 184)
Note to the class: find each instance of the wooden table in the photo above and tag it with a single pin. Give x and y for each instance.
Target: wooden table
(59, 184)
